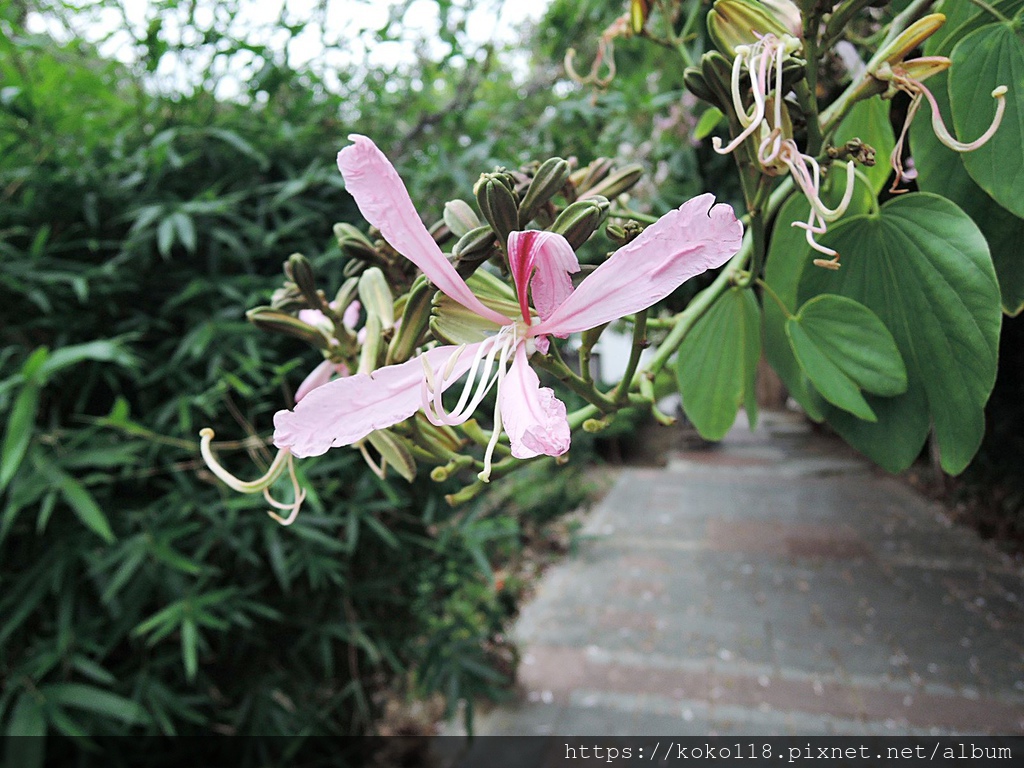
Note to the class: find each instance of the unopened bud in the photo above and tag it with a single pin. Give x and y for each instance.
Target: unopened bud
(372, 344)
(911, 38)
(395, 452)
(355, 244)
(346, 294)
(475, 243)
(577, 222)
(597, 425)
(547, 181)
(268, 319)
(415, 317)
(288, 298)
(741, 22)
(625, 233)
(498, 205)
(695, 83)
(585, 178)
(460, 217)
(376, 296)
(638, 12)
(617, 183)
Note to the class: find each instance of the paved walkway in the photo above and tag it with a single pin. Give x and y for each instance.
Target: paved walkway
(773, 585)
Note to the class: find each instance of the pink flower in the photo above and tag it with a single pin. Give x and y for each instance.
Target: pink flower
(698, 236)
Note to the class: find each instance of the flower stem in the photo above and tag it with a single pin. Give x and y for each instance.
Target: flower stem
(639, 345)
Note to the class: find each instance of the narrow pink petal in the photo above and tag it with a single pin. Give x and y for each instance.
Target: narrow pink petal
(549, 258)
(314, 317)
(346, 410)
(384, 202)
(681, 244)
(319, 376)
(531, 414)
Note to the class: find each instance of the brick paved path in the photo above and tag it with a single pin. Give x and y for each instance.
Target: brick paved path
(773, 585)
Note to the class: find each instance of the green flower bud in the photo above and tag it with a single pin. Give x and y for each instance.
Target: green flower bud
(617, 183)
(346, 294)
(376, 296)
(368, 355)
(498, 204)
(626, 233)
(268, 319)
(577, 222)
(459, 217)
(695, 83)
(741, 22)
(415, 317)
(912, 37)
(587, 177)
(355, 244)
(476, 243)
(394, 451)
(547, 181)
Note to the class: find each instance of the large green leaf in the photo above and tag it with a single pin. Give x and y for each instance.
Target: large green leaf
(986, 58)
(962, 18)
(923, 267)
(843, 348)
(717, 364)
(788, 255)
(869, 122)
(942, 171)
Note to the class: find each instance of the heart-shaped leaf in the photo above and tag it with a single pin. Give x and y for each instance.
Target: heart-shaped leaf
(942, 171)
(922, 266)
(788, 255)
(988, 57)
(717, 364)
(962, 18)
(844, 348)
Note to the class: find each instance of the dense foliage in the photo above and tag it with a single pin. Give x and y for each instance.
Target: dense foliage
(142, 211)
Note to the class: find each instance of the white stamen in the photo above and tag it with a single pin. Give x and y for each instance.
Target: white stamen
(485, 475)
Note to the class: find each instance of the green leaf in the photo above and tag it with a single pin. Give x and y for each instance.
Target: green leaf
(85, 507)
(843, 348)
(941, 170)
(869, 122)
(26, 728)
(962, 18)
(707, 123)
(717, 363)
(190, 648)
(96, 700)
(989, 57)
(165, 237)
(18, 434)
(922, 266)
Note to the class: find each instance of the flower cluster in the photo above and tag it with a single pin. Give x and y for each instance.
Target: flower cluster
(698, 236)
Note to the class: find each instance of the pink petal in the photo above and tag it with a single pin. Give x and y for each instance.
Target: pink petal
(681, 244)
(384, 202)
(319, 376)
(551, 256)
(346, 410)
(531, 415)
(313, 317)
(351, 315)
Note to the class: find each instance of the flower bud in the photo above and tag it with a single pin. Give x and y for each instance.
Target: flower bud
(459, 217)
(585, 178)
(475, 243)
(577, 222)
(498, 205)
(346, 294)
(695, 83)
(741, 22)
(626, 233)
(912, 37)
(615, 184)
(415, 317)
(638, 12)
(368, 355)
(394, 451)
(376, 297)
(786, 13)
(288, 298)
(268, 319)
(547, 181)
(355, 244)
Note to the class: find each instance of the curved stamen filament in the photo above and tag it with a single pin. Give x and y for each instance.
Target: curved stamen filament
(283, 459)
(896, 157)
(943, 135)
(485, 475)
